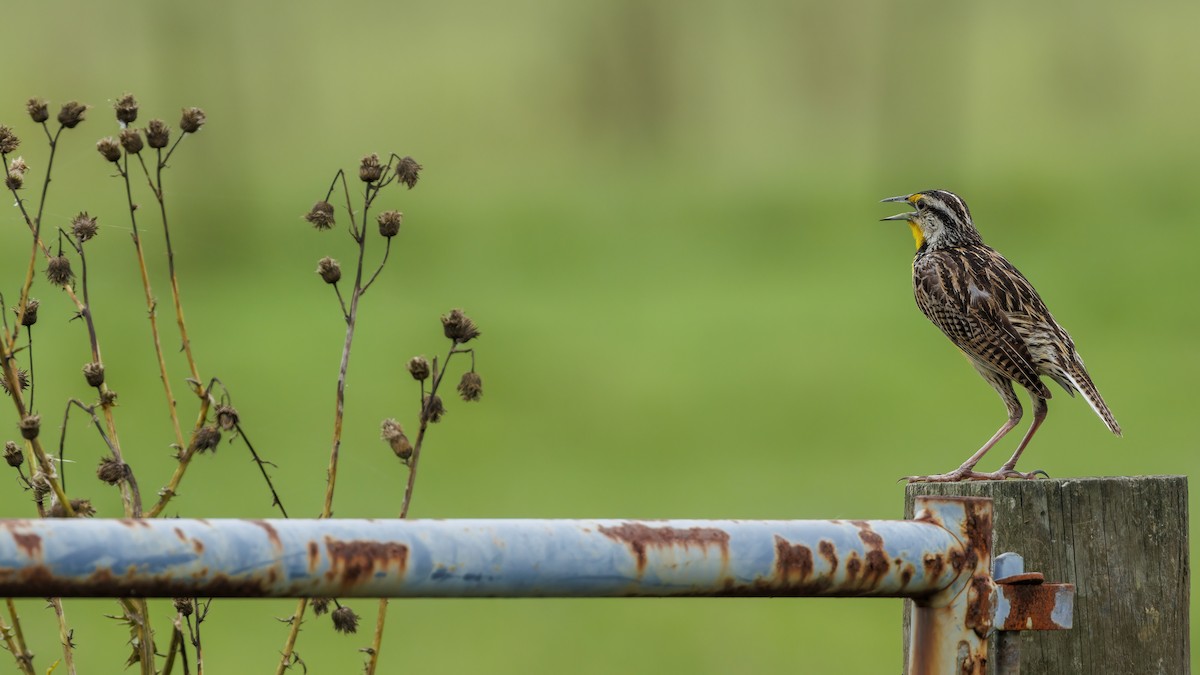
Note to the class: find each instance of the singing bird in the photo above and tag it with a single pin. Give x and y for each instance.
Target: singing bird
(991, 312)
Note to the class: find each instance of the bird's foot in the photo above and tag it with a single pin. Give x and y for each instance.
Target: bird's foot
(955, 476)
(1006, 472)
(963, 473)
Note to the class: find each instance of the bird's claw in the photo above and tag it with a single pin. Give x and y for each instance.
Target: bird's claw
(961, 474)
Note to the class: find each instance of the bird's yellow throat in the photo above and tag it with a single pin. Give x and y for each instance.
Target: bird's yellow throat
(917, 236)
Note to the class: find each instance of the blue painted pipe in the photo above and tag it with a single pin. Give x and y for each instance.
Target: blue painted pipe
(475, 558)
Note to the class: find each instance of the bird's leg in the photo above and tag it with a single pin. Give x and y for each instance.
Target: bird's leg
(1008, 470)
(965, 471)
(1003, 386)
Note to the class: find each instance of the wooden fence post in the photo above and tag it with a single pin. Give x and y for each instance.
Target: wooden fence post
(1122, 541)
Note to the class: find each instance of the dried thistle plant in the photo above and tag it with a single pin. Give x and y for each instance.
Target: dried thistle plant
(375, 176)
(60, 256)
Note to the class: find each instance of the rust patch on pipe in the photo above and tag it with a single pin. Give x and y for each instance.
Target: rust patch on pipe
(640, 538)
(30, 543)
(935, 565)
(793, 562)
(979, 605)
(853, 566)
(877, 568)
(829, 552)
(272, 533)
(314, 556)
(353, 562)
(877, 563)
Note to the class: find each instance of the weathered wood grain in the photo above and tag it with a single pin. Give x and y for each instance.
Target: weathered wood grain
(1123, 542)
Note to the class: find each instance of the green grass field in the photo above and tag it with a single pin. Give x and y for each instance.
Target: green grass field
(663, 216)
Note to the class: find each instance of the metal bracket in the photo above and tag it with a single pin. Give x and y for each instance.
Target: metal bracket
(1025, 602)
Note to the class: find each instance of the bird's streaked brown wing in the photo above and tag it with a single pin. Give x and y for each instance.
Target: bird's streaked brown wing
(963, 305)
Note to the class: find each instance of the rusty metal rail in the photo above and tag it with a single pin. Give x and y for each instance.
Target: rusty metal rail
(942, 559)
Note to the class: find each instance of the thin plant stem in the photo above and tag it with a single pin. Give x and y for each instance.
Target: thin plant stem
(32, 379)
(275, 500)
(289, 646)
(64, 636)
(386, 250)
(377, 641)
(156, 186)
(416, 456)
(201, 612)
(38, 456)
(18, 632)
(137, 614)
(129, 493)
(175, 646)
(35, 224)
(132, 501)
(151, 307)
(351, 318)
(14, 641)
(185, 457)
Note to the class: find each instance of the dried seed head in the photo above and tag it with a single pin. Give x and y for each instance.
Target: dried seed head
(30, 425)
(71, 114)
(109, 149)
(329, 269)
(31, 308)
(458, 327)
(227, 417)
(432, 408)
(84, 227)
(370, 170)
(111, 471)
(131, 140)
(389, 223)
(345, 620)
(418, 367)
(206, 438)
(18, 164)
(320, 605)
(127, 109)
(82, 507)
(408, 171)
(58, 270)
(192, 120)
(108, 398)
(8, 140)
(183, 606)
(158, 134)
(15, 180)
(470, 387)
(393, 433)
(41, 486)
(94, 373)
(320, 215)
(13, 455)
(38, 110)
(22, 381)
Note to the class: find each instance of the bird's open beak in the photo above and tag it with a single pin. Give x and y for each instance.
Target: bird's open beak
(899, 216)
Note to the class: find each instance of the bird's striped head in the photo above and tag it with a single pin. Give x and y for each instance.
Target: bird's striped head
(941, 219)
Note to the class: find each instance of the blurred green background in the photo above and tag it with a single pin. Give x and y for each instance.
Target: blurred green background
(663, 217)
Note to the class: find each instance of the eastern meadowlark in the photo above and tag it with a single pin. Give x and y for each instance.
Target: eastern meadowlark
(991, 312)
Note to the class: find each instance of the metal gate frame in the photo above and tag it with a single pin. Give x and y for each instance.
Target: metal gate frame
(941, 559)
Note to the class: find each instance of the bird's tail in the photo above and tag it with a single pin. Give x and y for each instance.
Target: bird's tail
(1082, 382)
